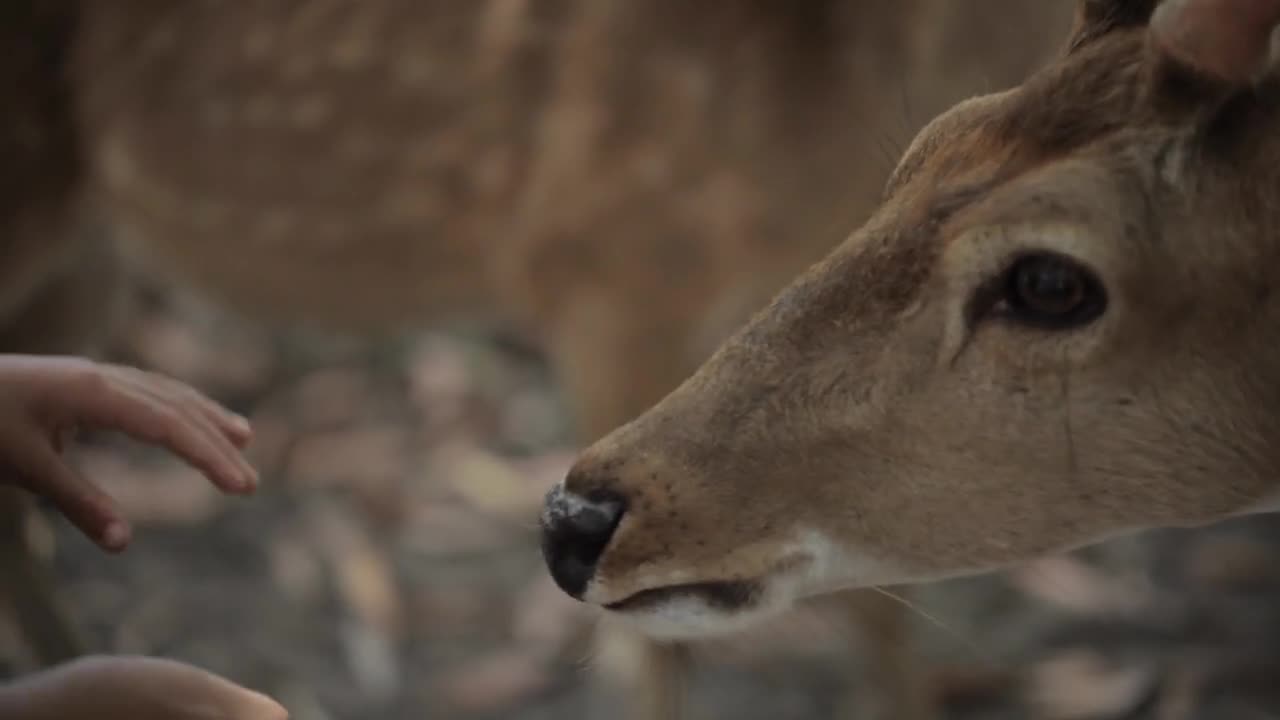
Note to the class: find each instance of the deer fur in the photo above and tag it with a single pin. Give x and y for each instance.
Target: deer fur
(903, 412)
(624, 182)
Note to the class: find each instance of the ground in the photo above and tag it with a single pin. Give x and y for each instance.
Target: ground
(388, 567)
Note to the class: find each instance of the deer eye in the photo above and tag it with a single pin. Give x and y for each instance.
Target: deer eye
(1052, 292)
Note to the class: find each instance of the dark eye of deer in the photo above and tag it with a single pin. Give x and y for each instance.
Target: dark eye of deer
(1053, 292)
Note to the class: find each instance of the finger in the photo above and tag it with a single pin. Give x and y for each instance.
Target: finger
(235, 427)
(206, 689)
(251, 705)
(134, 411)
(246, 477)
(200, 443)
(185, 401)
(89, 509)
(241, 703)
(238, 429)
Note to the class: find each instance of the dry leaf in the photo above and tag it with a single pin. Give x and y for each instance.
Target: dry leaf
(490, 484)
(494, 682)
(1232, 562)
(378, 454)
(372, 658)
(1075, 586)
(1082, 685)
(295, 567)
(451, 612)
(438, 530)
(360, 569)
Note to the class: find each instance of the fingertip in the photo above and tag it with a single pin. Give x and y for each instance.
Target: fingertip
(96, 515)
(268, 709)
(116, 536)
(241, 429)
(235, 479)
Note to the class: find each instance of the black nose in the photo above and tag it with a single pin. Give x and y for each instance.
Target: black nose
(575, 531)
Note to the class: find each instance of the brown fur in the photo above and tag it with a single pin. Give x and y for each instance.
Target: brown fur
(624, 181)
(877, 424)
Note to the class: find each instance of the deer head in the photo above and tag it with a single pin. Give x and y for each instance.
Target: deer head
(1059, 325)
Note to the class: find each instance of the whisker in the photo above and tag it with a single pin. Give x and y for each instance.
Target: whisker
(954, 634)
(907, 116)
(886, 153)
(585, 662)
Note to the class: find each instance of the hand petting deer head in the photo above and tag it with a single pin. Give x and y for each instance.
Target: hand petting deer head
(1059, 325)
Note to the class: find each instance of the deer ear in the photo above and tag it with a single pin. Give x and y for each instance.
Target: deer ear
(1228, 41)
(1096, 18)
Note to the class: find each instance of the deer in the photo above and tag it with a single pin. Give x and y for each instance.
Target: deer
(624, 183)
(1057, 327)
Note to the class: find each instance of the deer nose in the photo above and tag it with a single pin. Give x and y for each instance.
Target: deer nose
(575, 532)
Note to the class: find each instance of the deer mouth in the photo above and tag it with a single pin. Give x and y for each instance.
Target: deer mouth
(698, 610)
(710, 608)
(724, 596)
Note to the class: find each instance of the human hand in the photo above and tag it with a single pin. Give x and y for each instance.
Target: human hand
(132, 688)
(44, 398)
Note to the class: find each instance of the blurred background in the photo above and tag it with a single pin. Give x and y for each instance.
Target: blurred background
(411, 283)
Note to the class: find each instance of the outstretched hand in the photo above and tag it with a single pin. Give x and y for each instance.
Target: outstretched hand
(44, 399)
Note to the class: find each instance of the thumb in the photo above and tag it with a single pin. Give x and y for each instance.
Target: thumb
(192, 692)
(45, 473)
(241, 703)
(142, 688)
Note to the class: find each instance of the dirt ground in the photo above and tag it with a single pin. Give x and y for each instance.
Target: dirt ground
(388, 568)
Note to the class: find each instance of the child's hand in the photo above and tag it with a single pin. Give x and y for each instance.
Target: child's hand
(43, 399)
(133, 688)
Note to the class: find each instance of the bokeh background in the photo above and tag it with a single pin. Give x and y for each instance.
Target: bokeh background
(388, 567)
